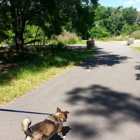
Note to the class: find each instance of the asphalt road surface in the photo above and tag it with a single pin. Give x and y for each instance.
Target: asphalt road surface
(102, 96)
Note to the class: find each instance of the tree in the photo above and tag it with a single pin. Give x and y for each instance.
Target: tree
(98, 32)
(117, 20)
(130, 15)
(114, 21)
(81, 18)
(126, 29)
(109, 18)
(138, 18)
(20, 12)
(4, 26)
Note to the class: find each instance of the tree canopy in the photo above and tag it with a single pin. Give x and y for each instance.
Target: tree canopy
(50, 15)
(116, 20)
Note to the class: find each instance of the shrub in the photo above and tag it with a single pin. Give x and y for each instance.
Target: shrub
(54, 42)
(68, 37)
(126, 29)
(104, 39)
(71, 41)
(80, 39)
(99, 32)
(135, 34)
(57, 48)
(135, 27)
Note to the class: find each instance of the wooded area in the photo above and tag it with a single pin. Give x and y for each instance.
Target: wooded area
(50, 16)
(110, 21)
(26, 21)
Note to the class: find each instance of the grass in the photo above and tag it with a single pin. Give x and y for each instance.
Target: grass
(82, 42)
(25, 76)
(136, 48)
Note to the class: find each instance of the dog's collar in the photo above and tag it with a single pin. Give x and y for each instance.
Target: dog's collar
(56, 122)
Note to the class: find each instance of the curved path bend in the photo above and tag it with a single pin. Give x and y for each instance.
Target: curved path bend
(102, 96)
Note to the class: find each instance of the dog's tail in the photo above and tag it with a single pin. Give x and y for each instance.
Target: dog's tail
(25, 127)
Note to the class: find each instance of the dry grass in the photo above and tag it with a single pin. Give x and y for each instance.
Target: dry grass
(119, 38)
(66, 35)
(135, 34)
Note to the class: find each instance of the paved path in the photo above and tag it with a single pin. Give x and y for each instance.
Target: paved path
(102, 95)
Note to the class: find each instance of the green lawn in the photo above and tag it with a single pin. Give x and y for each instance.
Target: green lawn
(81, 42)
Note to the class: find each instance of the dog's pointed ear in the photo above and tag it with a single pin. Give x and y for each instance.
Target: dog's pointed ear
(58, 109)
(66, 112)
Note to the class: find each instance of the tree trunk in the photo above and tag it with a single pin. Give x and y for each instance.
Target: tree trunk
(19, 22)
(36, 34)
(90, 44)
(19, 41)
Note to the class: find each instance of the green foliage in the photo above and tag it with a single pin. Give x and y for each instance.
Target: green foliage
(130, 15)
(84, 18)
(135, 27)
(126, 29)
(4, 22)
(79, 39)
(136, 48)
(117, 20)
(98, 32)
(57, 48)
(67, 37)
(82, 42)
(54, 42)
(104, 39)
(71, 41)
(109, 18)
(135, 36)
(32, 32)
(49, 15)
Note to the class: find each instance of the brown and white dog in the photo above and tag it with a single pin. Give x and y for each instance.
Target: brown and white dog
(45, 129)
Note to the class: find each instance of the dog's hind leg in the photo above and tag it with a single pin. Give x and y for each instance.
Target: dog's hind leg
(45, 138)
(37, 137)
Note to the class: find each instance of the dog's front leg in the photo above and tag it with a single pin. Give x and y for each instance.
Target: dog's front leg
(28, 138)
(61, 135)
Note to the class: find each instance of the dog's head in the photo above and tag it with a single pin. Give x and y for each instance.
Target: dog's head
(62, 115)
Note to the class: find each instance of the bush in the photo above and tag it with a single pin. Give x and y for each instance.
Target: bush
(104, 39)
(135, 34)
(126, 29)
(68, 37)
(135, 27)
(71, 41)
(57, 48)
(54, 42)
(99, 32)
(80, 39)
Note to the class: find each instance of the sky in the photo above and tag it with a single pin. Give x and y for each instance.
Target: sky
(124, 3)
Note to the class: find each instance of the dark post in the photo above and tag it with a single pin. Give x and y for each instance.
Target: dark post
(90, 44)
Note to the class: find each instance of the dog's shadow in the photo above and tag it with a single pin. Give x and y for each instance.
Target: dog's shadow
(65, 130)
